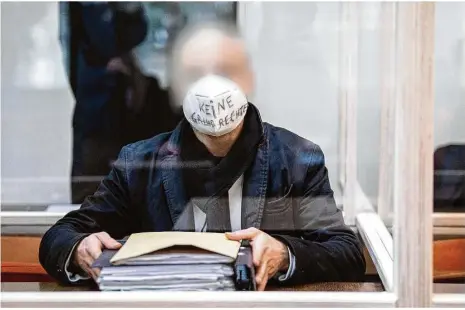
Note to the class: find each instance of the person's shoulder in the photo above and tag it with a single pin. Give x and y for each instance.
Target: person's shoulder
(148, 146)
(297, 155)
(294, 149)
(291, 140)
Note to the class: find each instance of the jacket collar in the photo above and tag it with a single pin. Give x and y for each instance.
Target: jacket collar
(255, 182)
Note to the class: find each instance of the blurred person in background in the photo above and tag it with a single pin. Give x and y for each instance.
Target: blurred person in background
(449, 178)
(221, 170)
(97, 39)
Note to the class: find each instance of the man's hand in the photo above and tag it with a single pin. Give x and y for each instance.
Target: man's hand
(117, 65)
(269, 254)
(90, 248)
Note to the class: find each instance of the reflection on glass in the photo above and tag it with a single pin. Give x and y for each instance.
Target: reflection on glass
(449, 155)
(166, 19)
(37, 68)
(449, 141)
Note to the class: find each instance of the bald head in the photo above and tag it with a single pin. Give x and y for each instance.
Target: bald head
(209, 49)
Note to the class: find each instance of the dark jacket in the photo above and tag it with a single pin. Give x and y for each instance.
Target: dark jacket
(288, 184)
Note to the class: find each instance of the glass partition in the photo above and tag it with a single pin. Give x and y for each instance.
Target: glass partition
(405, 193)
(294, 52)
(51, 160)
(36, 108)
(355, 79)
(448, 130)
(368, 104)
(449, 147)
(449, 136)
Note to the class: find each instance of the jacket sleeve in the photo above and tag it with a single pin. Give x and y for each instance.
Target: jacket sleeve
(107, 210)
(113, 29)
(325, 248)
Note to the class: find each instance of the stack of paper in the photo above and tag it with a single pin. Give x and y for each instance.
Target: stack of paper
(171, 261)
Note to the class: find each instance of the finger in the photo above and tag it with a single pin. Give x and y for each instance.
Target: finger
(86, 268)
(88, 261)
(92, 274)
(262, 285)
(94, 250)
(96, 271)
(114, 62)
(83, 257)
(245, 234)
(262, 272)
(258, 250)
(86, 264)
(107, 241)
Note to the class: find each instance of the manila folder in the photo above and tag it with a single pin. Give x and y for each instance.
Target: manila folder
(148, 242)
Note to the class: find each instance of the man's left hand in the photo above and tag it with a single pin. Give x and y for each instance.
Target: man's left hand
(269, 254)
(117, 65)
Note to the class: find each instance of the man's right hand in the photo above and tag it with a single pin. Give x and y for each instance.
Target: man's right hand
(90, 248)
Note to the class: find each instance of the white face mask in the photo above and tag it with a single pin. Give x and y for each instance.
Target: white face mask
(215, 105)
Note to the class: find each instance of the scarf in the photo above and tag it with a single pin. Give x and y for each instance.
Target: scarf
(207, 187)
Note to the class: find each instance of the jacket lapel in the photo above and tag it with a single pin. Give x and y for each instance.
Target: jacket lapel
(170, 165)
(255, 180)
(255, 187)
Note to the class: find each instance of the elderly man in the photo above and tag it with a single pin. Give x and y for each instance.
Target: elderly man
(221, 170)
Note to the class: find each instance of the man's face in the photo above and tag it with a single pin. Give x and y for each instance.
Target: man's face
(232, 62)
(227, 58)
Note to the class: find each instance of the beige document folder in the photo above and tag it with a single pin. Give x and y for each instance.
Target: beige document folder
(145, 243)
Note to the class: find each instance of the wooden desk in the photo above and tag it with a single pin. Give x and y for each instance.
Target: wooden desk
(51, 295)
(450, 288)
(319, 287)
